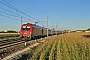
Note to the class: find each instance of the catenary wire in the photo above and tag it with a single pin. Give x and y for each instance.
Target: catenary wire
(14, 8)
(15, 13)
(34, 4)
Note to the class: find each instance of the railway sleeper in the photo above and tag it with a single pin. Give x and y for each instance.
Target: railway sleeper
(7, 51)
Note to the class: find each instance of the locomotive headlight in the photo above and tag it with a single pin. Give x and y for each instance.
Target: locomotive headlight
(30, 32)
(28, 36)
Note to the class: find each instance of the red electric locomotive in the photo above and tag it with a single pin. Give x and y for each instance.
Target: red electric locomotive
(30, 31)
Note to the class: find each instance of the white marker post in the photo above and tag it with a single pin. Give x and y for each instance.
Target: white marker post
(25, 43)
(35, 40)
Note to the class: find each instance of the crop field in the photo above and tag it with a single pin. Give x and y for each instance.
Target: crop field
(5, 36)
(71, 46)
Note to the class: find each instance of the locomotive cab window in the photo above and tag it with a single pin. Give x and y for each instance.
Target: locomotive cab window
(26, 28)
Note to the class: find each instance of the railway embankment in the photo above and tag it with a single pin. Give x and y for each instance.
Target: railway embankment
(15, 49)
(19, 54)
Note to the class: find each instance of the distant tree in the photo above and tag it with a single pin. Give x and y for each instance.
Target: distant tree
(73, 31)
(88, 29)
(11, 31)
(2, 32)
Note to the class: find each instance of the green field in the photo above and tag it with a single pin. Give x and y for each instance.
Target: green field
(5, 36)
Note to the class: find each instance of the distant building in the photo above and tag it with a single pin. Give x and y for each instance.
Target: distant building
(66, 31)
(82, 30)
(87, 31)
(5, 30)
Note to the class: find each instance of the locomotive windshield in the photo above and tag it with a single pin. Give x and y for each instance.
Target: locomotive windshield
(26, 28)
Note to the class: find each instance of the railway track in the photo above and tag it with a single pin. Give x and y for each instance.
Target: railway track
(8, 47)
(8, 43)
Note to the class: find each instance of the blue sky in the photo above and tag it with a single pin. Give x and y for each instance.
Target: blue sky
(68, 14)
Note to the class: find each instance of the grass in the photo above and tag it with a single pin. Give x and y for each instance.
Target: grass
(8, 36)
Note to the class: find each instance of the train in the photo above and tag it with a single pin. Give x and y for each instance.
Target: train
(32, 31)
